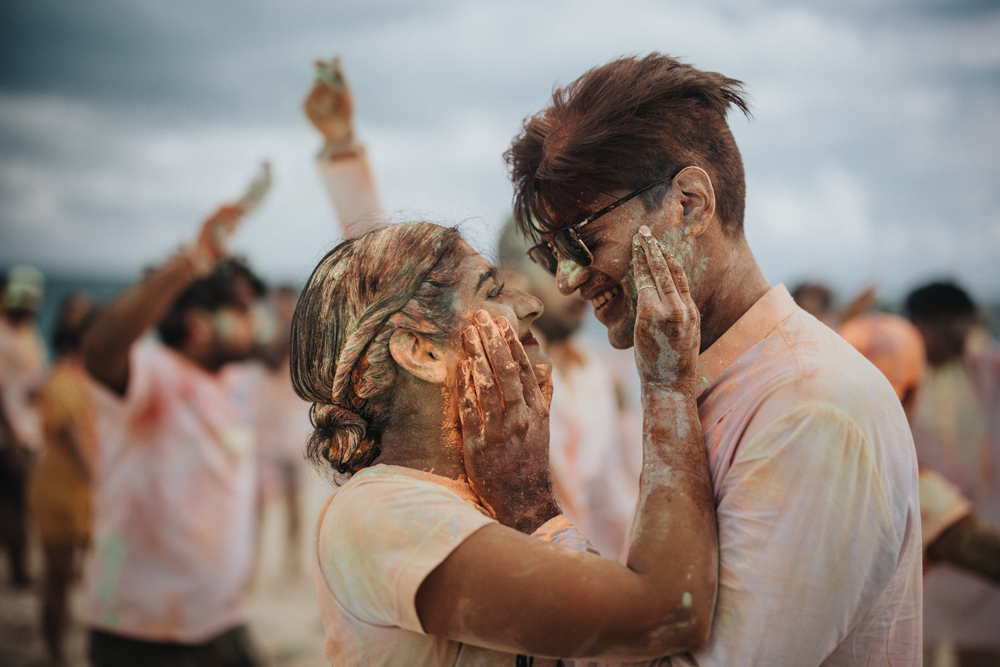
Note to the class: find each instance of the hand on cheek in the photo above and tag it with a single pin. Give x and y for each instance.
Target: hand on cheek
(505, 426)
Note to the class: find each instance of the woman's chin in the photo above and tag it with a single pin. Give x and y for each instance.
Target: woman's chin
(540, 363)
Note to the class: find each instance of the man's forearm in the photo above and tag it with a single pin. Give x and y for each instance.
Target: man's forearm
(107, 344)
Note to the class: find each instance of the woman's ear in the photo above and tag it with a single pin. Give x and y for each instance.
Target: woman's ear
(419, 355)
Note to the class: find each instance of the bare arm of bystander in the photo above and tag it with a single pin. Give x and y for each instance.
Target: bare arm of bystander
(343, 162)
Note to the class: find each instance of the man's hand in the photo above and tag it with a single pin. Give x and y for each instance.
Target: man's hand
(505, 426)
(212, 243)
(667, 322)
(328, 106)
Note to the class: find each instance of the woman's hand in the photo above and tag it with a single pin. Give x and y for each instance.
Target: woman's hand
(505, 426)
(667, 322)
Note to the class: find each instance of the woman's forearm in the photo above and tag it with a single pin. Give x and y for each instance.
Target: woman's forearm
(675, 520)
(503, 590)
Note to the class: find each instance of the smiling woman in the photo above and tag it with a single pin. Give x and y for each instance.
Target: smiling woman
(444, 546)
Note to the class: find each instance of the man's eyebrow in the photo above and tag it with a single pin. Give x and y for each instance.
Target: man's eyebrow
(486, 275)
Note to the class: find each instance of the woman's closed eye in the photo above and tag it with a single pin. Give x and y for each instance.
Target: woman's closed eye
(496, 291)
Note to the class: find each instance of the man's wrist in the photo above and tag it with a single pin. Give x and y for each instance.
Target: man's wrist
(199, 262)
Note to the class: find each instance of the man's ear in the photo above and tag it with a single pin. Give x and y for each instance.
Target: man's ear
(696, 194)
(421, 356)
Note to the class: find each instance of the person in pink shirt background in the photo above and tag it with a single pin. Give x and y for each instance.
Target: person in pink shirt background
(812, 463)
(282, 424)
(175, 478)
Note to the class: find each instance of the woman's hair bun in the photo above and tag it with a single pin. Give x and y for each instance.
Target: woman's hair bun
(340, 434)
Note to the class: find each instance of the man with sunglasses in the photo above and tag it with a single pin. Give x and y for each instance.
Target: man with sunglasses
(632, 172)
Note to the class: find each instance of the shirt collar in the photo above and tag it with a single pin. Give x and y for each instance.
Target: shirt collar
(754, 326)
(459, 487)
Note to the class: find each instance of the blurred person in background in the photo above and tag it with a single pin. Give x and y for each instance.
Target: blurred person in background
(956, 431)
(23, 365)
(176, 475)
(817, 300)
(592, 451)
(590, 444)
(282, 427)
(59, 490)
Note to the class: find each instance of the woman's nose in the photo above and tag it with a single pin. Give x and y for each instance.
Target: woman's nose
(526, 306)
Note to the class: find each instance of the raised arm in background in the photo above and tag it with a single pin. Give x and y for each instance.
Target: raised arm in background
(342, 161)
(142, 306)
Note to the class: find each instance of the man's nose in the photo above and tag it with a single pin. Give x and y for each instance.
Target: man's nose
(570, 275)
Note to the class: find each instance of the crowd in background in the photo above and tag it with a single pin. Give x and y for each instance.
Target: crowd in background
(140, 445)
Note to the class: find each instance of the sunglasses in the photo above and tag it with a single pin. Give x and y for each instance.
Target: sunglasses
(568, 239)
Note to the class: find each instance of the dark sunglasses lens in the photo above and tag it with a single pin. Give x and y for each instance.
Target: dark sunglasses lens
(543, 257)
(573, 247)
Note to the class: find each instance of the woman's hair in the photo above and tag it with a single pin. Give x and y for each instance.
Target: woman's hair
(397, 277)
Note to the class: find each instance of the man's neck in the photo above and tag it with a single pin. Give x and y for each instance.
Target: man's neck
(738, 287)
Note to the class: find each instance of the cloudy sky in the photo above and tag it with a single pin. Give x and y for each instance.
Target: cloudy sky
(872, 156)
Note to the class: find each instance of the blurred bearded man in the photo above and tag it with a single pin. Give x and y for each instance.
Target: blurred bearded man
(175, 483)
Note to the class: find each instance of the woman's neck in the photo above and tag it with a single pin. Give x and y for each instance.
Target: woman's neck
(423, 433)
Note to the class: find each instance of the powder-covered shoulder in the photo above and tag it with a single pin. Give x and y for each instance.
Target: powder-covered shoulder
(375, 500)
(382, 534)
(370, 485)
(829, 370)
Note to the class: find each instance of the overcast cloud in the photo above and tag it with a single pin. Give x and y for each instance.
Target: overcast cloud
(871, 157)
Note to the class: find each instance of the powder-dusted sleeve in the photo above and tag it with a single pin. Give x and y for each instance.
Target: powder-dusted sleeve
(139, 405)
(382, 536)
(808, 542)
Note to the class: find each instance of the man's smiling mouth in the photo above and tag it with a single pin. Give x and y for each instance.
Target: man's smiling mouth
(605, 297)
